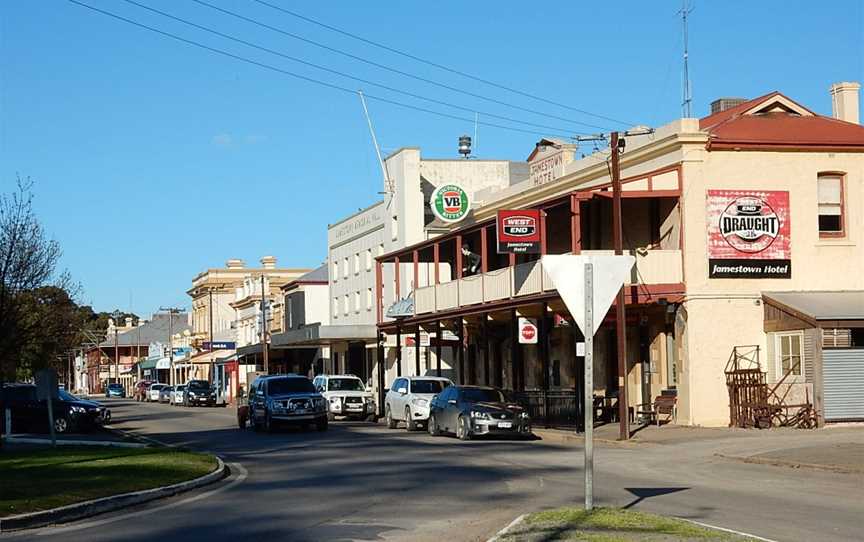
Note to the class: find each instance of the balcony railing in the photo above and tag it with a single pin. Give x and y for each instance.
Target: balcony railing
(652, 267)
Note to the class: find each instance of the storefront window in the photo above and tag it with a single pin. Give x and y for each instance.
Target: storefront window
(789, 357)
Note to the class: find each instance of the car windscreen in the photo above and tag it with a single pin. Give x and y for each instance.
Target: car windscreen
(157, 387)
(180, 388)
(66, 396)
(115, 386)
(427, 386)
(198, 385)
(281, 386)
(475, 395)
(345, 384)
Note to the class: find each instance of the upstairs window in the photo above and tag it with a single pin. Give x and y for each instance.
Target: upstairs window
(830, 189)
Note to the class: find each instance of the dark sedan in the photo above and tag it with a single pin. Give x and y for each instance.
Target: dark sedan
(70, 412)
(475, 410)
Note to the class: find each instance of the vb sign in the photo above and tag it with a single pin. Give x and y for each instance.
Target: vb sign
(450, 203)
(519, 231)
(527, 331)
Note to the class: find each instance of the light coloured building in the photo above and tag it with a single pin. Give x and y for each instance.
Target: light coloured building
(401, 219)
(724, 214)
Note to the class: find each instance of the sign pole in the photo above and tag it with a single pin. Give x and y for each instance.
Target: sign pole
(588, 411)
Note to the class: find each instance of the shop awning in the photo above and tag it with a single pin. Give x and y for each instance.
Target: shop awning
(820, 306)
(210, 357)
(324, 335)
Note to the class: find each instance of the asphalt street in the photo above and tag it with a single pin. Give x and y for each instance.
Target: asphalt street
(360, 481)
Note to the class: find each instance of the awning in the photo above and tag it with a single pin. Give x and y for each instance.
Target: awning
(324, 335)
(148, 364)
(210, 357)
(820, 306)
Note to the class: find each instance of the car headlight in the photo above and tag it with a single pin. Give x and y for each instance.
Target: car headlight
(477, 415)
(370, 400)
(75, 409)
(335, 400)
(524, 416)
(420, 402)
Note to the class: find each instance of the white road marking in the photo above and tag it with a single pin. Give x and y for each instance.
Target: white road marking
(731, 531)
(51, 531)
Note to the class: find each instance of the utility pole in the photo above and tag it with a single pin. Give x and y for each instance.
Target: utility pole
(171, 312)
(264, 349)
(116, 315)
(620, 324)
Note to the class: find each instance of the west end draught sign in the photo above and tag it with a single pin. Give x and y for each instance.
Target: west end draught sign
(450, 203)
(519, 231)
(749, 234)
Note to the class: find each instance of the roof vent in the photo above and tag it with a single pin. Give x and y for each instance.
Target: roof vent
(268, 262)
(722, 104)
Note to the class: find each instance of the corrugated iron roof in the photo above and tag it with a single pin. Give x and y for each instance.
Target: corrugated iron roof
(840, 305)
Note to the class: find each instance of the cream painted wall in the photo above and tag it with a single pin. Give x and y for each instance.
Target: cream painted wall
(723, 313)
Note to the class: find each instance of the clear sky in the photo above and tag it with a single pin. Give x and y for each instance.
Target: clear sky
(155, 160)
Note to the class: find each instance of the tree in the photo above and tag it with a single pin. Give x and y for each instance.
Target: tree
(28, 260)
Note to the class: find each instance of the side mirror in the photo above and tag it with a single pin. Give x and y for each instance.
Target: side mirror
(451, 402)
(402, 391)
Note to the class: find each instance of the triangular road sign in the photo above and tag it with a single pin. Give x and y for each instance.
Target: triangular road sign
(568, 276)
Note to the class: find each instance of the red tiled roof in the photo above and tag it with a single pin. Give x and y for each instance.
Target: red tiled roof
(732, 129)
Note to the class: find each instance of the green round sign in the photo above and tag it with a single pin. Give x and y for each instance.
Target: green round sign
(450, 203)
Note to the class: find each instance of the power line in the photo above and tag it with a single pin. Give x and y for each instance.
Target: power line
(395, 70)
(303, 77)
(440, 66)
(339, 73)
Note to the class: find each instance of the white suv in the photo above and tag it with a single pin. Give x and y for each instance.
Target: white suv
(346, 396)
(408, 400)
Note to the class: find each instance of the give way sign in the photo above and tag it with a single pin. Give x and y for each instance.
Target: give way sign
(568, 276)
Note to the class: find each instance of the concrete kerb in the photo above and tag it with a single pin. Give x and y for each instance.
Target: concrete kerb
(789, 464)
(565, 437)
(73, 512)
(30, 440)
(510, 526)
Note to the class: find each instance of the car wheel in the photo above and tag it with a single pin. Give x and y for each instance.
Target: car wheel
(322, 425)
(462, 429)
(241, 421)
(268, 423)
(391, 423)
(255, 425)
(433, 426)
(62, 425)
(409, 422)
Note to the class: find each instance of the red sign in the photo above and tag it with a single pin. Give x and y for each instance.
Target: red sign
(749, 234)
(519, 231)
(527, 331)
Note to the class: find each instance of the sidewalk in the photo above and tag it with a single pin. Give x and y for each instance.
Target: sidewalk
(834, 448)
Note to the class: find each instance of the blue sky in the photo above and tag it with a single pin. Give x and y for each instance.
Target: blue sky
(154, 160)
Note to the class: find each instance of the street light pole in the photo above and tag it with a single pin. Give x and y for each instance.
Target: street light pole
(116, 315)
(171, 312)
(264, 348)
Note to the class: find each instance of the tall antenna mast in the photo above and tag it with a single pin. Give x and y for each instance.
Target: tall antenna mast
(388, 184)
(685, 103)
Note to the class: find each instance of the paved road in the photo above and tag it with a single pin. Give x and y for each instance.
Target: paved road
(362, 482)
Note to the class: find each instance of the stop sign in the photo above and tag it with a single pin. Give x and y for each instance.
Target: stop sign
(527, 331)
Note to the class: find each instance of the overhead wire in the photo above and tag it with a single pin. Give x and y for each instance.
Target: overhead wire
(438, 65)
(303, 77)
(340, 73)
(396, 70)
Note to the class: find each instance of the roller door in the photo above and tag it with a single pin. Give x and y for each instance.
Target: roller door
(843, 374)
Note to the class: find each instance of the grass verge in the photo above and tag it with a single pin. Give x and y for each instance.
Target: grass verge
(40, 479)
(611, 525)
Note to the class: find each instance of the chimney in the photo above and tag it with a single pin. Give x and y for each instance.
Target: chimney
(268, 262)
(844, 101)
(235, 263)
(128, 321)
(722, 104)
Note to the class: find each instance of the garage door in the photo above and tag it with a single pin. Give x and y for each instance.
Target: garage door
(843, 373)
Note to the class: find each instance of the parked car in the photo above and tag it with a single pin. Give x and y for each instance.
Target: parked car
(153, 391)
(282, 399)
(165, 394)
(141, 389)
(346, 396)
(199, 392)
(115, 390)
(70, 412)
(177, 394)
(476, 410)
(408, 400)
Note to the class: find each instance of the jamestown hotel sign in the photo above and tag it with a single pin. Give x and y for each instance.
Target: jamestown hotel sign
(748, 234)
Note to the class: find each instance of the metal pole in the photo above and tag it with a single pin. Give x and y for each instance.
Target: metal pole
(438, 348)
(620, 317)
(170, 347)
(589, 386)
(417, 352)
(116, 355)
(264, 329)
(210, 349)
